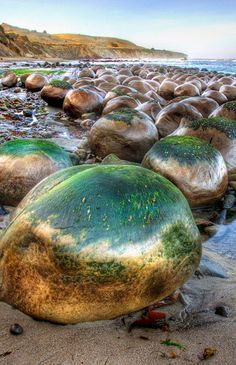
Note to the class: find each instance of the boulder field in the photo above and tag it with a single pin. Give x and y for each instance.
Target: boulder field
(107, 227)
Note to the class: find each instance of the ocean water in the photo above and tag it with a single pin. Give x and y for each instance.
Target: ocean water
(224, 241)
(226, 66)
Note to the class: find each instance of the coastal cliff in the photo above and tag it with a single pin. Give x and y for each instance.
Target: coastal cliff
(19, 42)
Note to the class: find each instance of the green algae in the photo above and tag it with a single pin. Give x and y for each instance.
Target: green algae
(223, 125)
(112, 159)
(26, 147)
(230, 105)
(168, 342)
(178, 241)
(94, 210)
(20, 71)
(94, 272)
(184, 149)
(60, 84)
(118, 92)
(117, 204)
(125, 115)
(106, 269)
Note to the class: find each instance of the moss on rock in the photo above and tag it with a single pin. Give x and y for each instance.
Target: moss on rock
(60, 84)
(223, 125)
(230, 105)
(124, 115)
(186, 150)
(99, 238)
(26, 147)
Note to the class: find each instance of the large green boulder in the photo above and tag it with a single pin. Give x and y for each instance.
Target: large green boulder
(96, 242)
(193, 165)
(219, 132)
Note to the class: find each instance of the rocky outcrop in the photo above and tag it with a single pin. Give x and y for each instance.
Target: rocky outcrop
(19, 42)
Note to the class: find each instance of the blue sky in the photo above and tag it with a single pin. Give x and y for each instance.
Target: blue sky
(204, 28)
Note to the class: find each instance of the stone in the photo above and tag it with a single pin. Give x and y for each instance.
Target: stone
(127, 133)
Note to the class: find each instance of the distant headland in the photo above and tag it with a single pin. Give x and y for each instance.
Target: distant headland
(20, 42)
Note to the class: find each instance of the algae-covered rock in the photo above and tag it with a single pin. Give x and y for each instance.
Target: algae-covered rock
(54, 93)
(127, 133)
(227, 110)
(193, 165)
(96, 242)
(25, 162)
(218, 131)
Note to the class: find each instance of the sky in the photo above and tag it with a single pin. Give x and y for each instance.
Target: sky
(201, 28)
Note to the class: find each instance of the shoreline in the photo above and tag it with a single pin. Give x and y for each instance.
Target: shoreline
(204, 65)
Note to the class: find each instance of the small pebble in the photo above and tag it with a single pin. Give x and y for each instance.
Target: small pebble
(16, 329)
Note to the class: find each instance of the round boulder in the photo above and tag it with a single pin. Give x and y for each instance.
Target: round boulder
(186, 89)
(81, 101)
(97, 242)
(120, 102)
(215, 95)
(87, 72)
(54, 93)
(167, 89)
(229, 91)
(170, 117)
(25, 162)
(193, 165)
(127, 133)
(227, 110)
(221, 133)
(35, 82)
(204, 105)
(9, 79)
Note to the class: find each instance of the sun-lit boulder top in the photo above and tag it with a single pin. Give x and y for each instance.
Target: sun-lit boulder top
(105, 240)
(185, 149)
